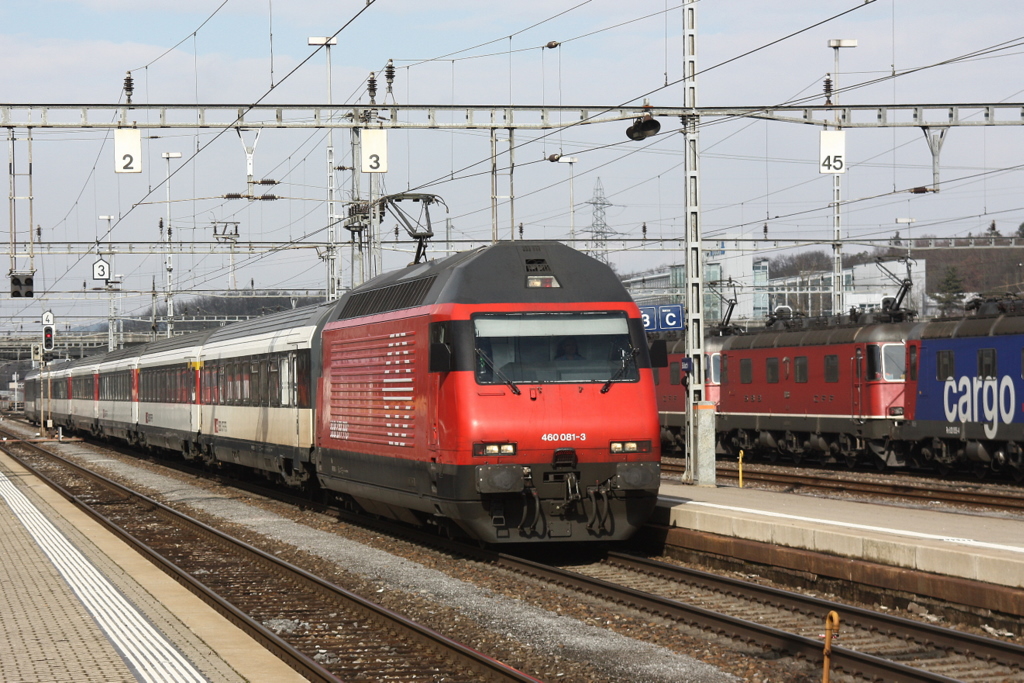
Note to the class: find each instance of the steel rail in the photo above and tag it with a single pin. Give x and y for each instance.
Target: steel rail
(851, 661)
(487, 667)
(978, 646)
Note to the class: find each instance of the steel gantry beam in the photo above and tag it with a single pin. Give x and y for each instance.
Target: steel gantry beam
(429, 117)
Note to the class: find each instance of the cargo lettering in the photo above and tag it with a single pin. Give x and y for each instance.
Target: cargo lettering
(973, 399)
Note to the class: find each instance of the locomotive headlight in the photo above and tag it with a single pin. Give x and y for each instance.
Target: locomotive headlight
(896, 410)
(630, 447)
(494, 449)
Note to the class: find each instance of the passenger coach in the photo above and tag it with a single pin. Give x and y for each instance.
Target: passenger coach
(506, 392)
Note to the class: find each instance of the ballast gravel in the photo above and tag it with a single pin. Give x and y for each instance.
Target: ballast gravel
(564, 641)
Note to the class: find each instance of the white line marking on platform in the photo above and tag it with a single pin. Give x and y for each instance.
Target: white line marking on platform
(864, 527)
(146, 650)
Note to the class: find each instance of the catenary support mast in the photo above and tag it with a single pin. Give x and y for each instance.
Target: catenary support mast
(700, 450)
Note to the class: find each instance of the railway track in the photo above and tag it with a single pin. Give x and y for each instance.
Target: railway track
(925, 492)
(324, 632)
(872, 646)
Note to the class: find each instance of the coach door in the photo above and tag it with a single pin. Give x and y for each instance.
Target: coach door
(290, 397)
(133, 371)
(191, 395)
(857, 387)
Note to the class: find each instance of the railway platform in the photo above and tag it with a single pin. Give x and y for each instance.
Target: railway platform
(962, 557)
(78, 604)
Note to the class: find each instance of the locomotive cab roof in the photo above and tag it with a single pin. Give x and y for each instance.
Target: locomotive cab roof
(545, 271)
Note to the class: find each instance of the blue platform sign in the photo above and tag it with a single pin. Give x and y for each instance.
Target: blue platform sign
(670, 317)
(660, 318)
(649, 314)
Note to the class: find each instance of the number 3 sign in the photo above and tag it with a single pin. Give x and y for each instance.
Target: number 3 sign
(374, 143)
(101, 270)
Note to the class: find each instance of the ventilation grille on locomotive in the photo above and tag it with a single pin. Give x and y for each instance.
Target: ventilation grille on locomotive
(537, 265)
(390, 298)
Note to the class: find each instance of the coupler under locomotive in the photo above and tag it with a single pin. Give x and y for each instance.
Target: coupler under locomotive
(563, 500)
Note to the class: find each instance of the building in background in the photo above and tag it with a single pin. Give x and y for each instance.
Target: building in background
(745, 275)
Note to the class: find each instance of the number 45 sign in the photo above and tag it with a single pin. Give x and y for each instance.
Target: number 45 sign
(832, 152)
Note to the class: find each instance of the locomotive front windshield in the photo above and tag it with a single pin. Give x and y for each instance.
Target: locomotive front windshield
(537, 348)
(887, 361)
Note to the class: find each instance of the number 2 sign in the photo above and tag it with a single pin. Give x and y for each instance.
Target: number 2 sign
(127, 150)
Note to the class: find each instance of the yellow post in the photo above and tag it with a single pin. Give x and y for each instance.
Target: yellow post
(831, 629)
(741, 468)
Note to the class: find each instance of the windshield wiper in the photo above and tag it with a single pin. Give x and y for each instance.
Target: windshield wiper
(501, 375)
(626, 357)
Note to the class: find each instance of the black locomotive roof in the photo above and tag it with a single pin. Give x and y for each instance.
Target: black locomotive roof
(876, 333)
(493, 274)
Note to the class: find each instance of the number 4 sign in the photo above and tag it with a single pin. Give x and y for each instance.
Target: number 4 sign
(832, 152)
(127, 150)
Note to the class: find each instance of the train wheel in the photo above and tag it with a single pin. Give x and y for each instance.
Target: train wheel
(846, 451)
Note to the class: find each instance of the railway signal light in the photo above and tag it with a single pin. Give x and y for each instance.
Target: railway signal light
(47, 337)
(22, 285)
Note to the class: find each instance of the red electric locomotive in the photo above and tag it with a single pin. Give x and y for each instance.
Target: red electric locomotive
(670, 386)
(507, 390)
(803, 388)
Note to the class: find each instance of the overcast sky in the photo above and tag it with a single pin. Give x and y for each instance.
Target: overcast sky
(490, 53)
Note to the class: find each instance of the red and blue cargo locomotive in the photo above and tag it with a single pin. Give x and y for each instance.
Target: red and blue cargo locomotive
(941, 394)
(965, 384)
(506, 392)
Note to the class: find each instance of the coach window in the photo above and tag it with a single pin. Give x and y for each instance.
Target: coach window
(259, 382)
(987, 363)
(674, 373)
(302, 370)
(231, 384)
(945, 367)
(894, 362)
(222, 382)
(746, 371)
(771, 370)
(832, 368)
(273, 382)
(800, 369)
(246, 383)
